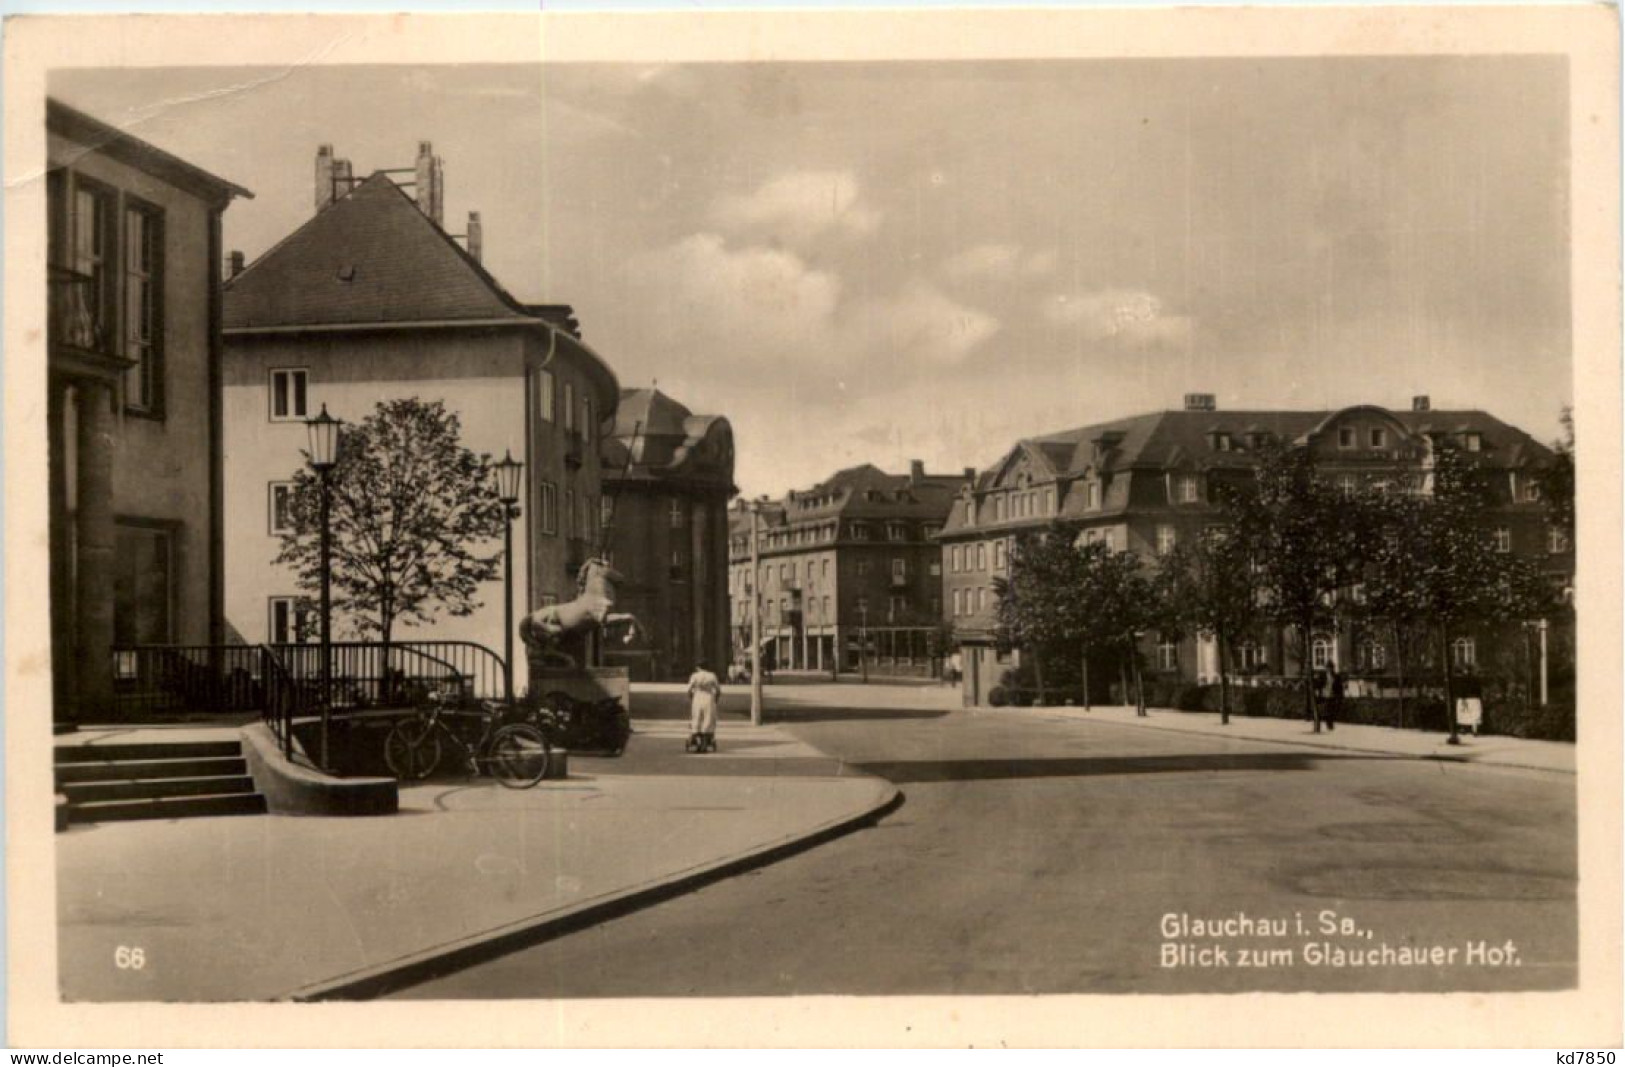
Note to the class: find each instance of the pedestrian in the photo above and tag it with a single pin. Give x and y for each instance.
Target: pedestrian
(1334, 705)
(704, 693)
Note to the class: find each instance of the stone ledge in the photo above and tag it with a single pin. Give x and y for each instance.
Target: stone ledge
(290, 789)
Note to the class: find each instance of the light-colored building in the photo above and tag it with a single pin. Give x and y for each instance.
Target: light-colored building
(1145, 484)
(133, 348)
(370, 300)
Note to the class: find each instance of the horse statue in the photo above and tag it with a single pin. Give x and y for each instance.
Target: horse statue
(546, 630)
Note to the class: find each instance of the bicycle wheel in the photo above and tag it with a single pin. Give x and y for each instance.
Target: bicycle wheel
(518, 756)
(412, 750)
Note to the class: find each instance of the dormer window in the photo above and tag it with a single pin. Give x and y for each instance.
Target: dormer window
(859, 531)
(1219, 441)
(1346, 437)
(1187, 490)
(1378, 437)
(1531, 489)
(970, 511)
(1472, 441)
(1257, 439)
(896, 531)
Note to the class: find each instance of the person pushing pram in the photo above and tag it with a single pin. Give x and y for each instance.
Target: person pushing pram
(704, 693)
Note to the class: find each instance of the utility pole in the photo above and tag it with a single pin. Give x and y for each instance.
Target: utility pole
(755, 614)
(1543, 663)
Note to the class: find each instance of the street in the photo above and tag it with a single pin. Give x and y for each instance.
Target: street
(1034, 855)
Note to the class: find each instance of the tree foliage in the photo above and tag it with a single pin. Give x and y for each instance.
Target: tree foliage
(412, 513)
(1207, 587)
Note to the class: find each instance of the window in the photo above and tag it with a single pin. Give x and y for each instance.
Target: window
(1345, 437)
(863, 605)
(1092, 496)
(1168, 656)
(859, 531)
(1464, 652)
(1503, 539)
(953, 559)
(1347, 486)
(1531, 489)
(1221, 442)
(1250, 656)
(896, 607)
(959, 602)
(899, 570)
(935, 568)
(545, 401)
(936, 607)
(548, 512)
(970, 512)
(289, 621)
(1472, 442)
(981, 555)
(1091, 536)
(606, 511)
(827, 615)
(586, 417)
(785, 574)
(1320, 653)
(289, 388)
(281, 497)
(1186, 489)
(863, 567)
(999, 555)
(143, 309)
(1371, 655)
(1109, 539)
(1049, 501)
(998, 508)
(675, 512)
(1378, 437)
(1166, 539)
(569, 407)
(1557, 540)
(825, 569)
(90, 261)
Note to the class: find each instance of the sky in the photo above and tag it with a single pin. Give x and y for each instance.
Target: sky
(879, 262)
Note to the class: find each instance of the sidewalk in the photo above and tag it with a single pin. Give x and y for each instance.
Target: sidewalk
(273, 907)
(1554, 756)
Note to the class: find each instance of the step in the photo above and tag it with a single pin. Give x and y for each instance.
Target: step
(168, 808)
(137, 769)
(147, 750)
(150, 788)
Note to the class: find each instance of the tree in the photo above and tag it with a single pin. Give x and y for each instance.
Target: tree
(1557, 484)
(1303, 539)
(1397, 557)
(1037, 603)
(1208, 588)
(410, 511)
(1463, 580)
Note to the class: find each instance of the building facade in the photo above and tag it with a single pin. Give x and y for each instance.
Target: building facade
(1145, 484)
(372, 300)
(850, 574)
(134, 358)
(668, 477)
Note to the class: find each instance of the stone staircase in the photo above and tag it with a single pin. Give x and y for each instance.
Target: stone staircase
(154, 780)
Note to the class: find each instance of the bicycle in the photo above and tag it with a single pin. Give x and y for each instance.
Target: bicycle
(516, 755)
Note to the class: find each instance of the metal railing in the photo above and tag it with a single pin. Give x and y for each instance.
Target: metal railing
(369, 674)
(285, 683)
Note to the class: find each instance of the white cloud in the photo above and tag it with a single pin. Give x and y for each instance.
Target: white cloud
(922, 323)
(798, 208)
(1130, 317)
(755, 298)
(998, 262)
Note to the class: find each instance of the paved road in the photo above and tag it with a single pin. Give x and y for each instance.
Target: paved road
(1045, 857)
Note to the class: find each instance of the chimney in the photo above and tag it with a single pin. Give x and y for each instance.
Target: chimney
(970, 475)
(428, 183)
(1200, 402)
(476, 237)
(916, 471)
(236, 267)
(1421, 403)
(332, 176)
(324, 176)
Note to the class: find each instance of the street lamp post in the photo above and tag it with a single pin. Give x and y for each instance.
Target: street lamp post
(324, 454)
(755, 614)
(863, 640)
(508, 472)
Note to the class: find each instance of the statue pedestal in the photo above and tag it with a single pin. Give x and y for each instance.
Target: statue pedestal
(581, 683)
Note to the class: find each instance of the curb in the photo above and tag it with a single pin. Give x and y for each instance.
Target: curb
(1435, 757)
(443, 959)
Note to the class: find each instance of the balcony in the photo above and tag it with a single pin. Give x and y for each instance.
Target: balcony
(76, 315)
